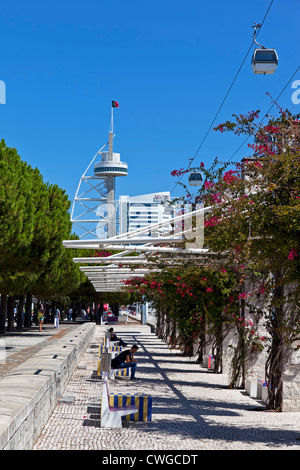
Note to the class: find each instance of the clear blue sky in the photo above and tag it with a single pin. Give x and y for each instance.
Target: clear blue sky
(168, 63)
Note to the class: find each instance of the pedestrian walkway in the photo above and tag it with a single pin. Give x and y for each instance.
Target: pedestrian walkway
(192, 408)
(18, 346)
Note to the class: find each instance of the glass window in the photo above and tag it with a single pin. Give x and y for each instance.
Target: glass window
(196, 176)
(265, 56)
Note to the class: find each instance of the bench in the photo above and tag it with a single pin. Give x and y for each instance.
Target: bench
(111, 416)
(105, 319)
(208, 361)
(124, 372)
(119, 319)
(112, 373)
(257, 388)
(123, 318)
(251, 387)
(107, 341)
(113, 349)
(211, 361)
(142, 402)
(114, 319)
(111, 319)
(262, 391)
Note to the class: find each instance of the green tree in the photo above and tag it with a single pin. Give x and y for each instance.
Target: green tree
(34, 221)
(16, 219)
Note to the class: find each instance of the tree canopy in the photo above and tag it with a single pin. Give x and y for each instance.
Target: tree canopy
(34, 221)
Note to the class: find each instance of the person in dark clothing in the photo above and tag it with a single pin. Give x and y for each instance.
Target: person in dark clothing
(113, 337)
(126, 360)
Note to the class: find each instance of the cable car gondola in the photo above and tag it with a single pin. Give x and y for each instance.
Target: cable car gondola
(263, 60)
(195, 178)
(263, 138)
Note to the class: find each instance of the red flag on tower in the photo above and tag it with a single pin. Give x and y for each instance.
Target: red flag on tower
(115, 104)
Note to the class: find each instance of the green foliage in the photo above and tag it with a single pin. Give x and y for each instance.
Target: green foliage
(194, 297)
(254, 225)
(16, 206)
(34, 221)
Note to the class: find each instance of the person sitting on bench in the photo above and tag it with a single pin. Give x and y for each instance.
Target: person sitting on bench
(126, 360)
(113, 337)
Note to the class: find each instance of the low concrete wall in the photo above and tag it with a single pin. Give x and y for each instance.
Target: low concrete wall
(29, 393)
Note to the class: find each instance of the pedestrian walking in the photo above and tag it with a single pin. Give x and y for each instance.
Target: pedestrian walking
(56, 318)
(70, 313)
(41, 316)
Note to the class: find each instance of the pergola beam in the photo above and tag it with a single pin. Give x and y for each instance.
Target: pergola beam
(108, 276)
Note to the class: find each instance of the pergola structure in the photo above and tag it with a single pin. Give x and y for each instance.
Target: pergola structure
(107, 274)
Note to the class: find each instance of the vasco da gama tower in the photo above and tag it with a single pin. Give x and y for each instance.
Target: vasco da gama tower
(94, 209)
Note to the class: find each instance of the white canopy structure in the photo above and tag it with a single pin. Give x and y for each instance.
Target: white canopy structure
(107, 274)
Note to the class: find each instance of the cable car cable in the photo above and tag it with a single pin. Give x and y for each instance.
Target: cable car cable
(284, 88)
(224, 99)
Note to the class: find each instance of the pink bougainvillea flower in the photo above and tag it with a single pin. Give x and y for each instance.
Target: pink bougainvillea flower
(293, 254)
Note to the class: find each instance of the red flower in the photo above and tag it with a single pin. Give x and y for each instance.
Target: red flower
(293, 254)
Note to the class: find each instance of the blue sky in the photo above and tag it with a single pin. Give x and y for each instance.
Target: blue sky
(168, 63)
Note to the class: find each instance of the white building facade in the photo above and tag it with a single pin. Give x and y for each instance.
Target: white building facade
(139, 211)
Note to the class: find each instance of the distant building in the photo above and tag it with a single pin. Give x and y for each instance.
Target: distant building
(139, 211)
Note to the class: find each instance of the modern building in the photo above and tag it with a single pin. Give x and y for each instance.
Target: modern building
(137, 212)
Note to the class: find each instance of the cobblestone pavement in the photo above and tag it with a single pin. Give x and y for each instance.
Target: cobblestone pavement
(192, 408)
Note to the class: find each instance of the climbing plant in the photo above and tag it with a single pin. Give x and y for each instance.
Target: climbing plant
(195, 299)
(254, 224)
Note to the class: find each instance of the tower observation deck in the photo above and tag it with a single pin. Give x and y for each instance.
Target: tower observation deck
(94, 209)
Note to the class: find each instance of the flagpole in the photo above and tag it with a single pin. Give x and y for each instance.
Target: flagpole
(110, 184)
(112, 120)
(111, 135)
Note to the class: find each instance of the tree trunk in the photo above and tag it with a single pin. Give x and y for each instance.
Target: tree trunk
(10, 313)
(20, 312)
(158, 323)
(217, 348)
(98, 313)
(275, 361)
(115, 309)
(27, 319)
(200, 351)
(3, 306)
(238, 362)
